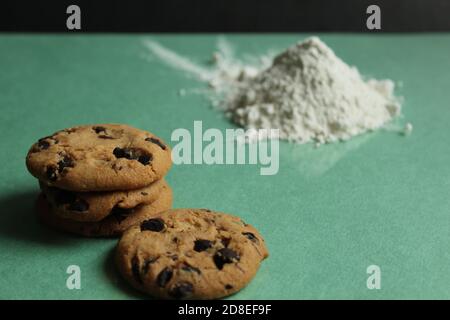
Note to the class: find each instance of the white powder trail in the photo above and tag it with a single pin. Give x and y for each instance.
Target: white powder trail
(176, 61)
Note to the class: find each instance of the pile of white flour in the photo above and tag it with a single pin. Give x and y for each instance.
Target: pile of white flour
(306, 92)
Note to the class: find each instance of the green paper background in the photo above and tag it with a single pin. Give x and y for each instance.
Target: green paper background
(328, 214)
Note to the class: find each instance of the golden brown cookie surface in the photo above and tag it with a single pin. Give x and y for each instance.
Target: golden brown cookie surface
(111, 226)
(190, 254)
(95, 206)
(101, 157)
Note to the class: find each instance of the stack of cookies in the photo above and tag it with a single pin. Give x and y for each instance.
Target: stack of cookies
(99, 180)
(108, 180)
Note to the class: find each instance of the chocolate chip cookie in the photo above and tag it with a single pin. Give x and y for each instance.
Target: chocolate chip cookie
(102, 157)
(95, 206)
(190, 254)
(113, 225)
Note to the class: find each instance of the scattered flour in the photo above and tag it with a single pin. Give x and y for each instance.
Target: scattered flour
(306, 92)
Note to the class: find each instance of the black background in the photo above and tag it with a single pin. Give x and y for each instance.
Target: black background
(280, 309)
(224, 15)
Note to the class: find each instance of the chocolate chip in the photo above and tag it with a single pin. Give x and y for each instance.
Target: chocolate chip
(156, 225)
(51, 173)
(164, 277)
(119, 153)
(147, 264)
(225, 241)
(133, 154)
(43, 144)
(181, 290)
(224, 256)
(99, 129)
(135, 269)
(250, 236)
(144, 193)
(157, 142)
(65, 162)
(104, 136)
(189, 268)
(121, 213)
(79, 205)
(127, 153)
(202, 245)
(145, 159)
(228, 287)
